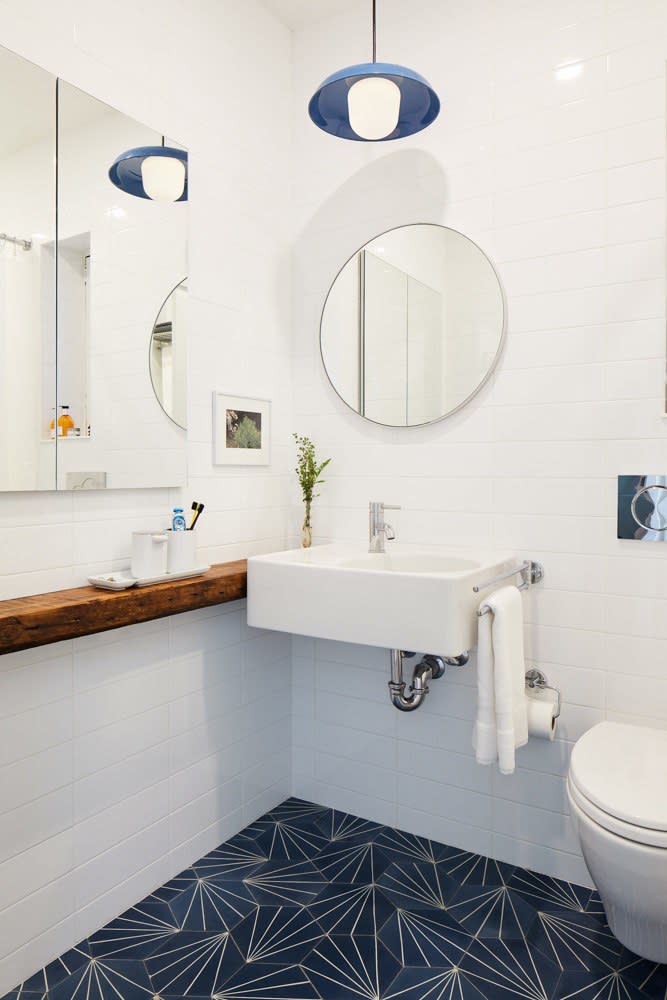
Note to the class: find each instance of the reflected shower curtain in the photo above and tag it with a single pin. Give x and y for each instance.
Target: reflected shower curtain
(21, 370)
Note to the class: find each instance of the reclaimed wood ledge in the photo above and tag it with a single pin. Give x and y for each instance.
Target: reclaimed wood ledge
(68, 614)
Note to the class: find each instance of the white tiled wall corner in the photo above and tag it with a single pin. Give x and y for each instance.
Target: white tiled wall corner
(561, 179)
(125, 756)
(159, 743)
(417, 771)
(239, 238)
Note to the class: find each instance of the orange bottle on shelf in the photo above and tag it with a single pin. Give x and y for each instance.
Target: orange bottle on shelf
(65, 422)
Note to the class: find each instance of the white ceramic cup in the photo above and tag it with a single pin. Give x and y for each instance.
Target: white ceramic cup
(149, 554)
(181, 551)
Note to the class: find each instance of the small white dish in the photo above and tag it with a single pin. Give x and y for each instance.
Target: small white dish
(123, 579)
(185, 574)
(113, 581)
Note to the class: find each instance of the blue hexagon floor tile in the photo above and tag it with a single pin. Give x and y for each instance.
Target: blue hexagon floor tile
(281, 935)
(417, 885)
(351, 909)
(350, 966)
(136, 933)
(425, 937)
(102, 979)
(212, 903)
(194, 963)
(492, 911)
(308, 903)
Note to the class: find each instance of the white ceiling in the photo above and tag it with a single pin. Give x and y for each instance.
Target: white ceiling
(297, 13)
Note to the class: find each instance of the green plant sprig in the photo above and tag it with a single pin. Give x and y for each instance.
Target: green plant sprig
(308, 470)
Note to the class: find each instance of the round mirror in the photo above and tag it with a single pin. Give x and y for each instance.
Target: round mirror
(413, 325)
(168, 355)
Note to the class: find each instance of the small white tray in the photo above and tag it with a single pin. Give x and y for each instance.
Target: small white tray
(122, 579)
(112, 581)
(144, 581)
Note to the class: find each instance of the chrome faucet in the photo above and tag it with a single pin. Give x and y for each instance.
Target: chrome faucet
(378, 529)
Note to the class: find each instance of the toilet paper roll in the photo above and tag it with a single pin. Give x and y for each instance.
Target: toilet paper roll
(542, 717)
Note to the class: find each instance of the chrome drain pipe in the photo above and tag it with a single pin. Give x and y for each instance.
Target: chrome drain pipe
(429, 668)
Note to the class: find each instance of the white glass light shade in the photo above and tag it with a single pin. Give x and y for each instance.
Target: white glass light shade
(163, 178)
(374, 105)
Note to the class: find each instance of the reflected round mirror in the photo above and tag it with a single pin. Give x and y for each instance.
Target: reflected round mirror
(413, 325)
(168, 355)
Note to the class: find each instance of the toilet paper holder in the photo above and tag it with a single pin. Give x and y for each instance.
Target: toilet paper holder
(536, 680)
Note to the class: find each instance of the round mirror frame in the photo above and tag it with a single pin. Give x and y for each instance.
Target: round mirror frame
(150, 347)
(496, 358)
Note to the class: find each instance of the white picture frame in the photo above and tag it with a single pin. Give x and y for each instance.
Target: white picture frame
(245, 420)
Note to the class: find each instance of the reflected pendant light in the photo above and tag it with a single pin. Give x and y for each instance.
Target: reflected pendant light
(373, 102)
(159, 173)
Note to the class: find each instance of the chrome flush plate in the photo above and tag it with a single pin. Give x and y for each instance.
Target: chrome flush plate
(642, 508)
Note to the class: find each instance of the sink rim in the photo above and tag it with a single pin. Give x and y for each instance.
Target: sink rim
(473, 567)
(332, 556)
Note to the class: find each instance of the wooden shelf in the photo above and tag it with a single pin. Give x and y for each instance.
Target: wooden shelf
(69, 614)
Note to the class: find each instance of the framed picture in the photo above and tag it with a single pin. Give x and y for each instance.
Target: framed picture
(241, 430)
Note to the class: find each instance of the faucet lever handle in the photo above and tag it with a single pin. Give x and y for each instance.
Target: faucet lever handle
(390, 506)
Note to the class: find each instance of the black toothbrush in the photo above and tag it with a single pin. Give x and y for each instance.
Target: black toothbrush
(198, 508)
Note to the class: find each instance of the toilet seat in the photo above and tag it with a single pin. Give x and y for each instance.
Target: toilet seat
(618, 776)
(636, 834)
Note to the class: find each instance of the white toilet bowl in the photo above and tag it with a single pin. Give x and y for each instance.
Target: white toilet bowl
(617, 788)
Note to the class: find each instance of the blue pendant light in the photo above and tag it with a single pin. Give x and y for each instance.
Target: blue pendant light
(374, 102)
(159, 173)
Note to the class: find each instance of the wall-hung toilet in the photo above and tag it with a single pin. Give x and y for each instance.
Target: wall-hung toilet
(617, 788)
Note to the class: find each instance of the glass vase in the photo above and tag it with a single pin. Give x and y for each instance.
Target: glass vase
(306, 532)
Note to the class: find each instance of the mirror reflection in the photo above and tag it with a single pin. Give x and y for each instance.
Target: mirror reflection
(118, 257)
(412, 326)
(84, 267)
(168, 355)
(27, 275)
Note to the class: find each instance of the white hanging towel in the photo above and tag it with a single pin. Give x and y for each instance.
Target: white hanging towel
(502, 712)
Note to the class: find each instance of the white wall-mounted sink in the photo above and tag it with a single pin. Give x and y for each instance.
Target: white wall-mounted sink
(409, 562)
(401, 599)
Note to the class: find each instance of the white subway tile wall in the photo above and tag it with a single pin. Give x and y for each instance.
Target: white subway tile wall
(239, 244)
(560, 176)
(125, 756)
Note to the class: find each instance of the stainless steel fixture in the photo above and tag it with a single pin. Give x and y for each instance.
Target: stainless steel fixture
(531, 572)
(537, 681)
(429, 668)
(378, 529)
(16, 240)
(642, 508)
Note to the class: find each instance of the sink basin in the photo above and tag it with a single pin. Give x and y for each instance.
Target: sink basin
(402, 599)
(404, 562)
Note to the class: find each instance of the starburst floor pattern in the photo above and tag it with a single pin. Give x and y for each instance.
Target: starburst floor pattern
(309, 903)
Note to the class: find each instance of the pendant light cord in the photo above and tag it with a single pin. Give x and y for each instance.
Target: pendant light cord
(374, 32)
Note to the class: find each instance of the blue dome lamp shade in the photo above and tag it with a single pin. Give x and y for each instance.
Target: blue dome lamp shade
(159, 173)
(374, 102)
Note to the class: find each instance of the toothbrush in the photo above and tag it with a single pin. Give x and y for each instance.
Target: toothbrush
(198, 508)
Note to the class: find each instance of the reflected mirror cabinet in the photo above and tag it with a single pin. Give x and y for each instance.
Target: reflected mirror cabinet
(92, 332)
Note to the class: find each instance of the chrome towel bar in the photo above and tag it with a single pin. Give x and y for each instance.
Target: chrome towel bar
(531, 572)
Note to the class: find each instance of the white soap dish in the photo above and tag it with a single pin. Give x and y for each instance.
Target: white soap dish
(123, 579)
(145, 581)
(113, 581)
